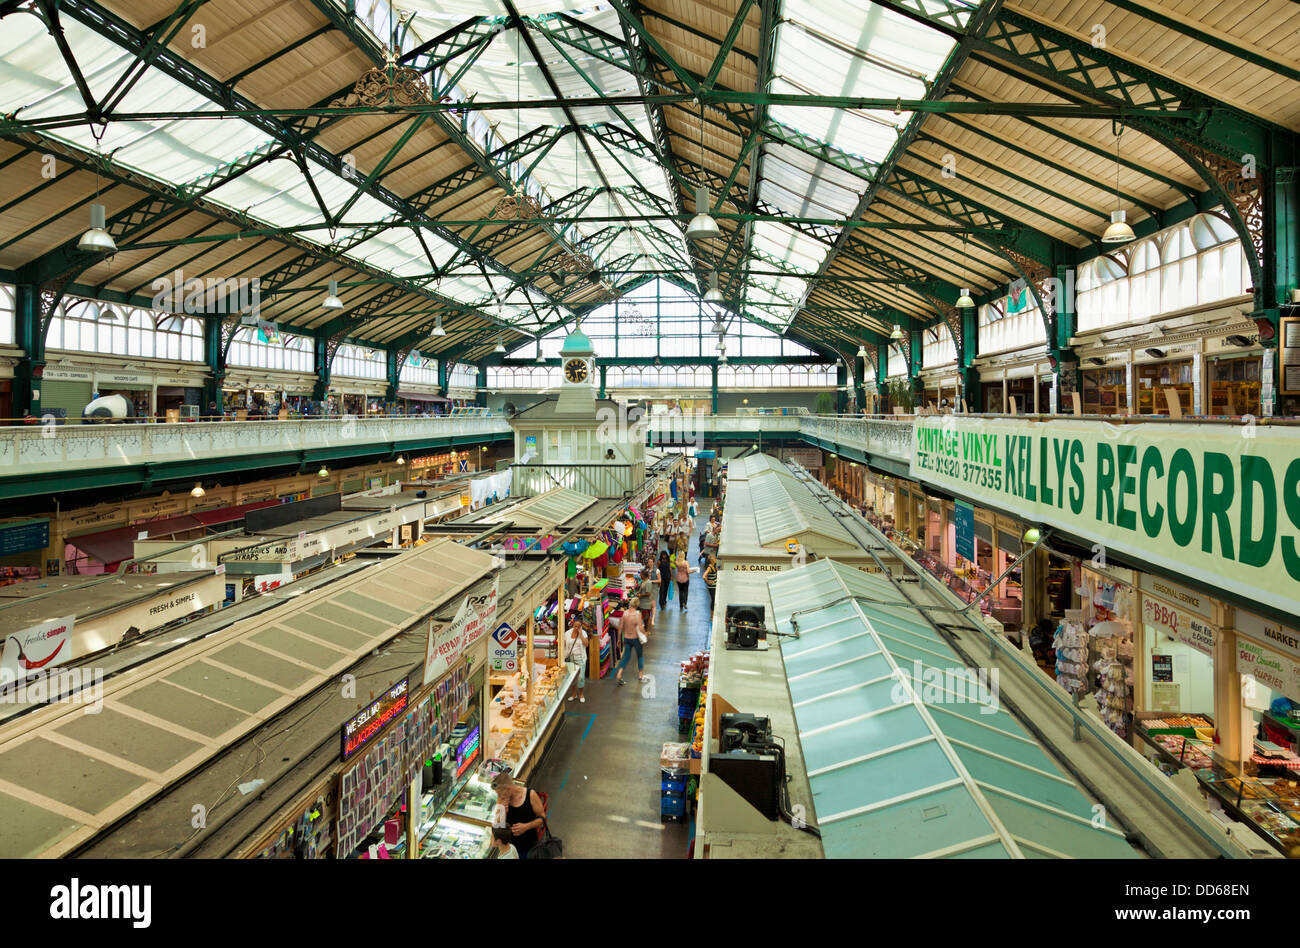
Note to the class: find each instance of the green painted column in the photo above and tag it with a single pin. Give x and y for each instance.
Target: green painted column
(442, 377)
(480, 386)
(713, 385)
(1067, 361)
(967, 375)
(914, 360)
(321, 352)
(393, 374)
(31, 339)
(602, 369)
(214, 358)
(841, 388)
(882, 366)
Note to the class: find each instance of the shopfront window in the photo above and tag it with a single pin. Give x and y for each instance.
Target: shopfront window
(1234, 386)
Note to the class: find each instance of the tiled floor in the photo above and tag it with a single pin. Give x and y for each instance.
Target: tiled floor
(602, 769)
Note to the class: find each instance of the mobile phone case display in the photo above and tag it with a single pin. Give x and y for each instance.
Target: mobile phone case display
(1071, 646)
(453, 838)
(369, 790)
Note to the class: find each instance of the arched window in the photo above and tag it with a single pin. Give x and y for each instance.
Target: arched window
(897, 365)
(938, 348)
(359, 362)
(8, 312)
(253, 349)
(419, 372)
(82, 325)
(1193, 263)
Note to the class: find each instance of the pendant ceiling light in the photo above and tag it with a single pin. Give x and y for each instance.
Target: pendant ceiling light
(540, 358)
(897, 332)
(332, 300)
(965, 300)
(702, 225)
(500, 347)
(1118, 231)
(437, 327)
(198, 490)
(324, 471)
(713, 294)
(97, 239)
(401, 459)
(862, 351)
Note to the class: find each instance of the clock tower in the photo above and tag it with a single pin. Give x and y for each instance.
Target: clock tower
(577, 369)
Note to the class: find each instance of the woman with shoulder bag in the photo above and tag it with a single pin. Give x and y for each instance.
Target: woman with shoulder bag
(684, 571)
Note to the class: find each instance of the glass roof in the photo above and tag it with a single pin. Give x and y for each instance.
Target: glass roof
(909, 753)
(547, 510)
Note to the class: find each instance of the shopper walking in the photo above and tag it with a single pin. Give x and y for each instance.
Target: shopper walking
(684, 571)
(632, 634)
(524, 812)
(578, 655)
(665, 578)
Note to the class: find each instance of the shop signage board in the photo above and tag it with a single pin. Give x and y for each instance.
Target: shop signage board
(482, 614)
(1189, 600)
(358, 730)
(1266, 632)
(37, 649)
(1215, 503)
(964, 520)
(505, 649)
(23, 536)
(445, 644)
(1184, 626)
(1274, 670)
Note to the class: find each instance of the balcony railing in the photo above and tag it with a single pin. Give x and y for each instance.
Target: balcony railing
(43, 448)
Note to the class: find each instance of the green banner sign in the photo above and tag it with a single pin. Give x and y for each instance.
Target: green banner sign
(1218, 503)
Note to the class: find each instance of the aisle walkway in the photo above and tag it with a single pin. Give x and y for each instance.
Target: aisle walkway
(602, 769)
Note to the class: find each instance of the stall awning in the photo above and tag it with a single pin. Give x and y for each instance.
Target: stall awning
(212, 518)
(909, 753)
(114, 546)
(423, 397)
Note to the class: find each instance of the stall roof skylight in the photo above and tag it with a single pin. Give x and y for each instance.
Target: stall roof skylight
(907, 754)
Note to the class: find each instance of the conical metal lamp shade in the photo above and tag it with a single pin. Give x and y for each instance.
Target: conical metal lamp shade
(97, 239)
(702, 225)
(1119, 232)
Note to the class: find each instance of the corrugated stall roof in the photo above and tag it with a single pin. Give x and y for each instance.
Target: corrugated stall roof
(68, 775)
(907, 756)
(545, 511)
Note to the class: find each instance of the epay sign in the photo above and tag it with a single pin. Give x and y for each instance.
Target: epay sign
(505, 649)
(1220, 503)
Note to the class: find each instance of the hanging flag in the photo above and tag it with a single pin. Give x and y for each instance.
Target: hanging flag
(269, 333)
(1017, 297)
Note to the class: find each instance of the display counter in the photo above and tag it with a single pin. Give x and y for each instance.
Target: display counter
(455, 838)
(518, 728)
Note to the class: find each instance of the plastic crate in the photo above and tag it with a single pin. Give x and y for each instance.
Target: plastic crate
(672, 817)
(673, 804)
(671, 781)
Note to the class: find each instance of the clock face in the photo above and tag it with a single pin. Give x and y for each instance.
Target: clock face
(575, 370)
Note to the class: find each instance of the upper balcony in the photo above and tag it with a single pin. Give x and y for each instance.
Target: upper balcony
(39, 458)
